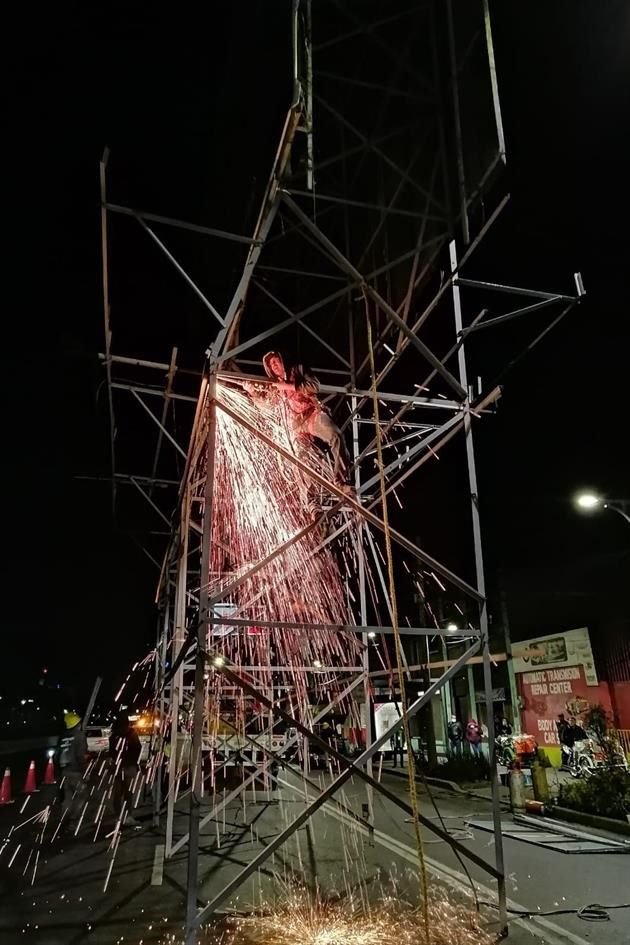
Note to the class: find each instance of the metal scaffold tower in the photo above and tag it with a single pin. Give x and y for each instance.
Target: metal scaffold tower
(387, 179)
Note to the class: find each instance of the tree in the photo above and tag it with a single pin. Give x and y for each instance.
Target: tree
(598, 722)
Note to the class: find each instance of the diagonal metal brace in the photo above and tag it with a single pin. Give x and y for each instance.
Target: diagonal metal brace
(262, 768)
(346, 266)
(350, 769)
(356, 506)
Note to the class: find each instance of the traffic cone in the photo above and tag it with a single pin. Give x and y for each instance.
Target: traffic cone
(29, 785)
(5, 789)
(49, 775)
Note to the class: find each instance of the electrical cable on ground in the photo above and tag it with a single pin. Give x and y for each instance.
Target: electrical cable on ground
(458, 855)
(591, 912)
(460, 859)
(413, 796)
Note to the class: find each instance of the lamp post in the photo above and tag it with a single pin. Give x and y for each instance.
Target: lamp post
(591, 502)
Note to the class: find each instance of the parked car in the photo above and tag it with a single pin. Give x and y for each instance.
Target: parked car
(97, 739)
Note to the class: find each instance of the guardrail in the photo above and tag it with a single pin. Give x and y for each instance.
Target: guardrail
(623, 734)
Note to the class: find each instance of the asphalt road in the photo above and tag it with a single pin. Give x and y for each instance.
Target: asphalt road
(66, 904)
(538, 879)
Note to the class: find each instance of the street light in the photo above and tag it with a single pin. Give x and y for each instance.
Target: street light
(591, 502)
(452, 627)
(587, 501)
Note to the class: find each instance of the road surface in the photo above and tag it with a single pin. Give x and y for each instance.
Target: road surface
(66, 904)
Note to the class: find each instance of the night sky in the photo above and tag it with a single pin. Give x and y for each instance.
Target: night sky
(191, 111)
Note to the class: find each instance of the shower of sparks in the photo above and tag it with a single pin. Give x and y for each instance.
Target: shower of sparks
(303, 919)
(262, 501)
(90, 803)
(137, 681)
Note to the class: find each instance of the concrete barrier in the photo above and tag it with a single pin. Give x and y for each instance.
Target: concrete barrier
(16, 746)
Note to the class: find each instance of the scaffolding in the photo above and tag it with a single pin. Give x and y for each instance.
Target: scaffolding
(386, 181)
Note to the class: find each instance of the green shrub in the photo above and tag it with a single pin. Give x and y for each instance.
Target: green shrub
(606, 793)
(598, 722)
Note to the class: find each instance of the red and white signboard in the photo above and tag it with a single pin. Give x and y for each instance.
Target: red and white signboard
(548, 692)
(570, 648)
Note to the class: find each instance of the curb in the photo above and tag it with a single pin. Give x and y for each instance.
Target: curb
(451, 786)
(591, 820)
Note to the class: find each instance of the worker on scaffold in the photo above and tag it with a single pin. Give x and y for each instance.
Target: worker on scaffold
(308, 418)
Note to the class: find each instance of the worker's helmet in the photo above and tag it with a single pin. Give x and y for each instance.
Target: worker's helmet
(71, 719)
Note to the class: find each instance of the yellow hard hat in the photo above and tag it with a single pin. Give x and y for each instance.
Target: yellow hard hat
(71, 719)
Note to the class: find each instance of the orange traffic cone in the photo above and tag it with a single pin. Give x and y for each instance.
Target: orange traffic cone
(5, 789)
(29, 785)
(49, 776)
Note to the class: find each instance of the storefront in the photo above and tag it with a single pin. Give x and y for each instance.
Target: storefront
(556, 674)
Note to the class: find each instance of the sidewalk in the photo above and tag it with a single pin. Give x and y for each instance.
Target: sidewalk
(479, 789)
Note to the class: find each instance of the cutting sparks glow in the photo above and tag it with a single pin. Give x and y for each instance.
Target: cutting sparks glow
(264, 503)
(305, 920)
(280, 594)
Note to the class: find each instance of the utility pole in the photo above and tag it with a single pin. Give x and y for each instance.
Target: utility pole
(505, 621)
(427, 726)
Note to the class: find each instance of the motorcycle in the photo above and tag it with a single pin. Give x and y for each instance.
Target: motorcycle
(511, 748)
(505, 750)
(583, 758)
(587, 755)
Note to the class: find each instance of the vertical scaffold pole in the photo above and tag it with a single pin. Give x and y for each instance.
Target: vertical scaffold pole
(160, 666)
(177, 682)
(204, 627)
(310, 161)
(457, 125)
(481, 586)
(356, 451)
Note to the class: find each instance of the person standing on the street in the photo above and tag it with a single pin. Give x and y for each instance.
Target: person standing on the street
(579, 732)
(574, 733)
(455, 735)
(562, 726)
(473, 737)
(124, 750)
(73, 762)
(397, 742)
(571, 734)
(502, 726)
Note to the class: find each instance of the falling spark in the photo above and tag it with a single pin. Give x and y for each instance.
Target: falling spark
(35, 868)
(30, 854)
(111, 863)
(15, 853)
(437, 580)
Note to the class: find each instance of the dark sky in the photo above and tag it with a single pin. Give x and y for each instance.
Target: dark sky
(187, 106)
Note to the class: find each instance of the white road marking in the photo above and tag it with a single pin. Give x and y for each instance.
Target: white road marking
(550, 932)
(157, 874)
